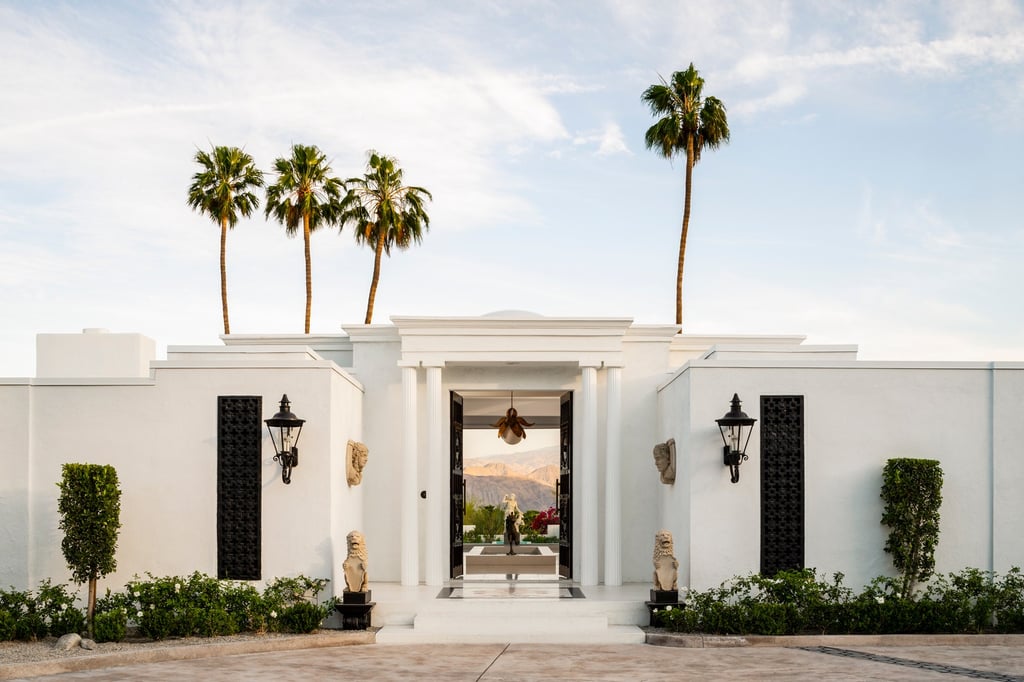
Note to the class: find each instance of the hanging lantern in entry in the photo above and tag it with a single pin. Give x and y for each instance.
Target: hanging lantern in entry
(511, 426)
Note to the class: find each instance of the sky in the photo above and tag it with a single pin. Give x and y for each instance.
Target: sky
(870, 193)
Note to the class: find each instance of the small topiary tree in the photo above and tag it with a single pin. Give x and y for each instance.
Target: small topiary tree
(90, 511)
(912, 490)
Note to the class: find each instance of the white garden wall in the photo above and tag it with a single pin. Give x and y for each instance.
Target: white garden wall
(857, 415)
(160, 433)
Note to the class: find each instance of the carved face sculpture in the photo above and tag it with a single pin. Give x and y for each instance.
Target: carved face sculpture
(356, 543)
(665, 460)
(663, 544)
(357, 454)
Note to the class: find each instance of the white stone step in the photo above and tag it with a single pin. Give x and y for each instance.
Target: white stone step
(615, 634)
(495, 623)
(501, 610)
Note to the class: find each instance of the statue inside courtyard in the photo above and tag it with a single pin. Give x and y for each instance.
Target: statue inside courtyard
(513, 521)
(666, 568)
(355, 566)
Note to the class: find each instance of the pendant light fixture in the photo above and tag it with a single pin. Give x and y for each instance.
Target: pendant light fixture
(511, 426)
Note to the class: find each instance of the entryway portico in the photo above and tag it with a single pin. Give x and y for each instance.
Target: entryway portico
(508, 351)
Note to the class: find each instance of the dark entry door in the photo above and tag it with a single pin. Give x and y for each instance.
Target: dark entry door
(565, 487)
(458, 487)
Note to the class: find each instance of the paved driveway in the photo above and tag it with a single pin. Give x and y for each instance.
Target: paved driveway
(494, 662)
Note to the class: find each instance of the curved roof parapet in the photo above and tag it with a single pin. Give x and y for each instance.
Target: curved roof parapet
(513, 315)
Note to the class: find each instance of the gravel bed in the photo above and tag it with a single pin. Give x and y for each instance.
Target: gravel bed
(43, 650)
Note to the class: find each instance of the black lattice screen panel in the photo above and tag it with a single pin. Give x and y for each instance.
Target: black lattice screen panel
(782, 483)
(239, 455)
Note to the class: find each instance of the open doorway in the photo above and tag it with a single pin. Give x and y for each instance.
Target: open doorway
(486, 470)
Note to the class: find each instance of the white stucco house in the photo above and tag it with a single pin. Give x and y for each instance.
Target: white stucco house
(201, 490)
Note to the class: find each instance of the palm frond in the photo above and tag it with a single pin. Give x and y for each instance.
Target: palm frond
(222, 188)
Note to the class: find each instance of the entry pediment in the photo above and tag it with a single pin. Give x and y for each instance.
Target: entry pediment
(512, 336)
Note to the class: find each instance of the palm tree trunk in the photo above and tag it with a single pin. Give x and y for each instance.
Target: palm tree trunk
(309, 269)
(224, 273)
(686, 227)
(376, 277)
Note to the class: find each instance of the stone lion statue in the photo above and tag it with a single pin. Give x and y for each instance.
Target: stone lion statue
(665, 460)
(356, 576)
(666, 568)
(355, 461)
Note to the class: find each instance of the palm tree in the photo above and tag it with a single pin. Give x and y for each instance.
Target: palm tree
(385, 213)
(222, 190)
(690, 124)
(304, 194)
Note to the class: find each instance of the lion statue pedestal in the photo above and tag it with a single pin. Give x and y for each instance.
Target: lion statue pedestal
(355, 603)
(665, 595)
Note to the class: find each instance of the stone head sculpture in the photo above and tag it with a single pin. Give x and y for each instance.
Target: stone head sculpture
(665, 460)
(355, 462)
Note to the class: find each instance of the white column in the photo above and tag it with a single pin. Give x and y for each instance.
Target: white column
(588, 535)
(437, 492)
(410, 519)
(612, 480)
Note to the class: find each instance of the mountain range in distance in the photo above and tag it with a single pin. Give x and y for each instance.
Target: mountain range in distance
(530, 475)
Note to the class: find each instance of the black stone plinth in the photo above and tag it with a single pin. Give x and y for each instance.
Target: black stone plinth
(349, 597)
(659, 606)
(355, 610)
(665, 596)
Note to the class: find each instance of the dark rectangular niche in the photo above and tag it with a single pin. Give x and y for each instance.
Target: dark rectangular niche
(782, 483)
(239, 455)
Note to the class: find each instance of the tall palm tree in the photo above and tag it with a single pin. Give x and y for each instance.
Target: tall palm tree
(304, 194)
(223, 190)
(385, 213)
(689, 124)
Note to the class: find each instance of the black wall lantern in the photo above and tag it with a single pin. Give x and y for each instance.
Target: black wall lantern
(288, 428)
(731, 426)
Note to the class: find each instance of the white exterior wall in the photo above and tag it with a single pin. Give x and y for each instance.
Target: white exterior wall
(15, 519)
(645, 367)
(1008, 465)
(375, 352)
(94, 353)
(346, 423)
(856, 417)
(159, 430)
(161, 436)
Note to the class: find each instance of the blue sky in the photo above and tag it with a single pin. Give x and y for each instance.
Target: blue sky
(871, 193)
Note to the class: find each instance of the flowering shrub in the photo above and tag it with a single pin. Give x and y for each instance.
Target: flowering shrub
(50, 610)
(170, 606)
(797, 602)
(548, 517)
(199, 605)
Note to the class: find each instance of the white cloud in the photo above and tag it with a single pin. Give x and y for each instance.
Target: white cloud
(609, 140)
(785, 95)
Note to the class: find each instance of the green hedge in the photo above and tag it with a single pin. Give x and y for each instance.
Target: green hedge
(798, 602)
(30, 615)
(172, 606)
